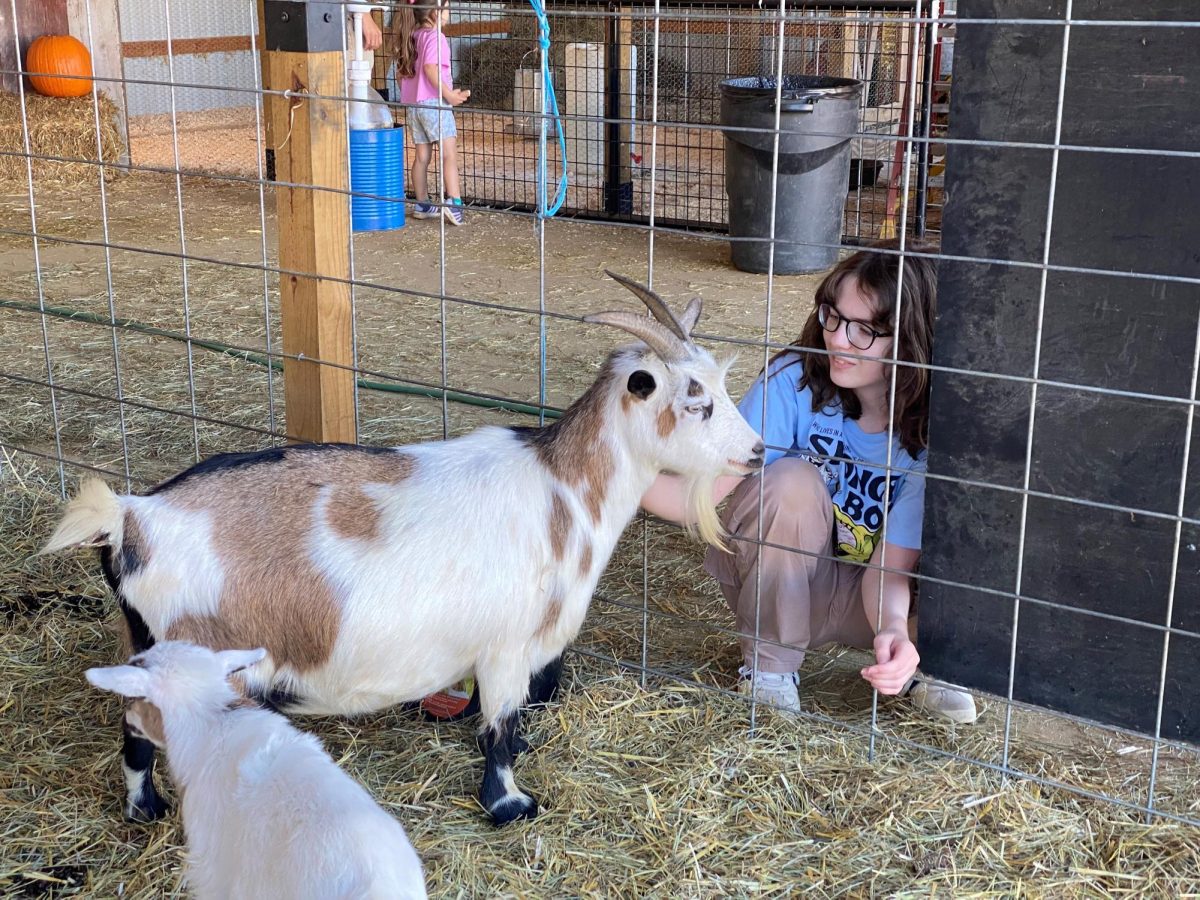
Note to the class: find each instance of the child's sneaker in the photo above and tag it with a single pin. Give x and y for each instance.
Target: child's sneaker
(778, 690)
(942, 700)
(453, 211)
(425, 211)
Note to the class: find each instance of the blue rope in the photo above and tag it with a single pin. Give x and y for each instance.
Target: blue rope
(560, 195)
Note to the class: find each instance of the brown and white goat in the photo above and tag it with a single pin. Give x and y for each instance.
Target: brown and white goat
(376, 576)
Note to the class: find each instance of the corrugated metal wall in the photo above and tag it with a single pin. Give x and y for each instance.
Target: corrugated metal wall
(211, 40)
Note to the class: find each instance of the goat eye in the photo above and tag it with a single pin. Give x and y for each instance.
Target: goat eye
(700, 409)
(641, 384)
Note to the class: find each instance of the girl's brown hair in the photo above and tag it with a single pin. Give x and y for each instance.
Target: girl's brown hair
(401, 41)
(877, 275)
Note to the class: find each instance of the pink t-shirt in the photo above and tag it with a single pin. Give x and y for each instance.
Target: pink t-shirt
(418, 89)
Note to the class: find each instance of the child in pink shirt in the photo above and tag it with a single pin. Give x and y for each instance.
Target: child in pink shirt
(422, 56)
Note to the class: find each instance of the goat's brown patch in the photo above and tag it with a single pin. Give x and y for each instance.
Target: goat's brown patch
(695, 388)
(560, 525)
(273, 596)
(596, 479)
(585, 560)
(150, 720)
(574, 449)
(352, 514)
(127, 648)
(550, 616)
(666, 422)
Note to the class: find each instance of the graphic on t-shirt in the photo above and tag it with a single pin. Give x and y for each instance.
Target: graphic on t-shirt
(857, 492)
(851, 540)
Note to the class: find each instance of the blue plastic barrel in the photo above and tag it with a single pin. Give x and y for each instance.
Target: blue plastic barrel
(377, 171)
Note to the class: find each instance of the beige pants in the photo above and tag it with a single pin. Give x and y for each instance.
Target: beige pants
(806, 598)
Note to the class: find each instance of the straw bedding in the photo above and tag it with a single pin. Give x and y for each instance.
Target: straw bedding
(654, 790)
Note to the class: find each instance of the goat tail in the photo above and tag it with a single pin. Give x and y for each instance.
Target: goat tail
(93, 517)
(703, 520)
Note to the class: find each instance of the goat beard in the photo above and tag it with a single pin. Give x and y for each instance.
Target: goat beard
(703, 521)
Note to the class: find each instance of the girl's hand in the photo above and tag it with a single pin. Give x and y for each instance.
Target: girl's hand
(457, 97)
(896, 660)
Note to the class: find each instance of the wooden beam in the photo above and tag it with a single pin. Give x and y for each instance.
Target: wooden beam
(847, 66)
(476, 27)
(231, 43)
(314, 236)
(105, 30)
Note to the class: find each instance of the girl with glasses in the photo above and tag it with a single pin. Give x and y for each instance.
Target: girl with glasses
(840, 447)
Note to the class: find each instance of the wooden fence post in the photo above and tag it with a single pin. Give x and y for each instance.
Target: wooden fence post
(303, 42)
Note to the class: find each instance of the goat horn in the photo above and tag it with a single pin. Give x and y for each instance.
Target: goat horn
(668, 347)
(654, 303)
(691, 315)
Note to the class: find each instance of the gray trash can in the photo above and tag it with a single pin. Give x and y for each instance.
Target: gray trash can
(818, 118)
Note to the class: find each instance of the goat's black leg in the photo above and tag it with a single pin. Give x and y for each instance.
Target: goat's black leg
(544, 684)
(143, 803)
(499, 793)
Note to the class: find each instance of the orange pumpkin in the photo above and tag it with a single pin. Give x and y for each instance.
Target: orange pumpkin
(53, 55)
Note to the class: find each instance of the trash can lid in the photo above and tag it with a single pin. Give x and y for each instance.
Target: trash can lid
(795, 87)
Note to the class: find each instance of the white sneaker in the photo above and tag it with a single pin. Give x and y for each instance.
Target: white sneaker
(943, 700)
(773, 689)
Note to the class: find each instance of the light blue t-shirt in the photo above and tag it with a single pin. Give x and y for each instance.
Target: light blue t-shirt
(853, 462)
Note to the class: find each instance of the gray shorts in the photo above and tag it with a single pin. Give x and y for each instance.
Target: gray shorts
(427, 123)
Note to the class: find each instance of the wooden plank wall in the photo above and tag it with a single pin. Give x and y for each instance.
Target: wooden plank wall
(34, 18)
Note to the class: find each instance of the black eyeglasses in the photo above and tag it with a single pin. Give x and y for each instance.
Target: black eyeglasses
(859, 334)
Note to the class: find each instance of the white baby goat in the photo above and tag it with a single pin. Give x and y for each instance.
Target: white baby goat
(266, 812)
(376, 576)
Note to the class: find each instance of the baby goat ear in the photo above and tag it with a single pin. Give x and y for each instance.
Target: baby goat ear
(641, 384)
(128, 681)
(236, 660)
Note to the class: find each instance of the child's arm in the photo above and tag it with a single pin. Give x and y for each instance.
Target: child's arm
(372, 36)
(448, 94)
(667, 497)
(896, 656)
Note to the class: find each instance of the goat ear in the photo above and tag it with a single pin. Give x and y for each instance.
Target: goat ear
(236, 660)
(641, 384)
(691, 316)
(128, 681)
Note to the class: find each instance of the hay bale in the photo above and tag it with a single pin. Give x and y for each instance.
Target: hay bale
(58, 127)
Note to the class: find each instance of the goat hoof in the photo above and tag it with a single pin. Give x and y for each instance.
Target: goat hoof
(146, 809)
(513, 807)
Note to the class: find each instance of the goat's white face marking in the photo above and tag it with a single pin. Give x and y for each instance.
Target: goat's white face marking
(698, 427)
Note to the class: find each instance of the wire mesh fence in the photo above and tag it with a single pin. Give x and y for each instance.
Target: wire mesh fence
(142, 314)
(603, 65)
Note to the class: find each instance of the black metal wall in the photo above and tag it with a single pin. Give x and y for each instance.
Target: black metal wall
(1113, 359)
